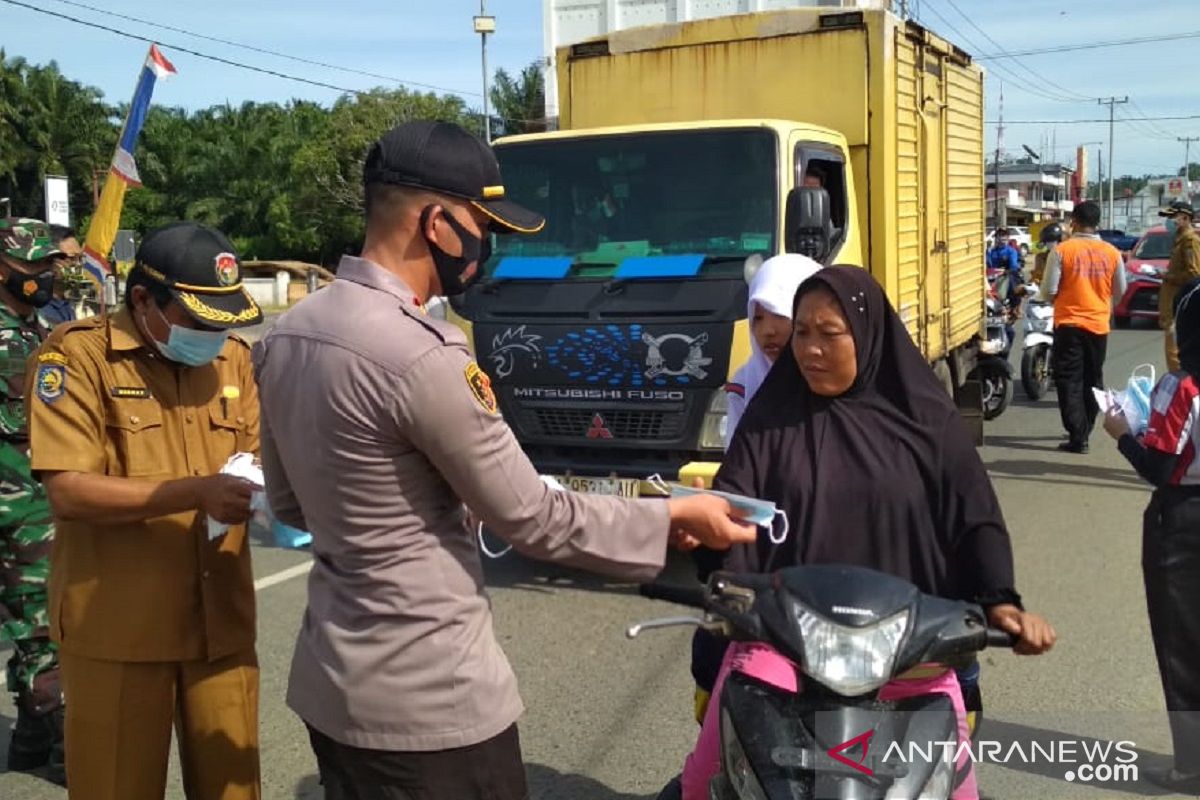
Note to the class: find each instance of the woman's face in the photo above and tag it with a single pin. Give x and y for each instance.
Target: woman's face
(770, 332)
(823, 345)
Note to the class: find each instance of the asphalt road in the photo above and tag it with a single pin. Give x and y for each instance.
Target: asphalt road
(610, 719)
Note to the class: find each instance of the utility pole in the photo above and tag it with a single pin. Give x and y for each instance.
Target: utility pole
(1187, 162)
(1001, 218)
(483, 26)
(1112, 104)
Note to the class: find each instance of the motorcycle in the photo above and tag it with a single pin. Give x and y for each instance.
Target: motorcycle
(1038, 344)
(851, 630)
(993, 368)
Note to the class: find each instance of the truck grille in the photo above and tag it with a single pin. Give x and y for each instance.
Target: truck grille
(623, 425)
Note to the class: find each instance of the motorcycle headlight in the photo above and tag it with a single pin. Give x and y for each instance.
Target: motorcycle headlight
(716, 418)
(850, 661)
(738, 769)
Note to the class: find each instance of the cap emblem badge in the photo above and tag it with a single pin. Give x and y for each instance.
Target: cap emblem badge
(227, 269)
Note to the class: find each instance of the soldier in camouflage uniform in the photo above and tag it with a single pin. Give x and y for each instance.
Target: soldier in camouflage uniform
(27, 261)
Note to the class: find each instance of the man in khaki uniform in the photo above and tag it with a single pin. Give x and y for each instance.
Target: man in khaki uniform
(132, 418)
(1183, 267)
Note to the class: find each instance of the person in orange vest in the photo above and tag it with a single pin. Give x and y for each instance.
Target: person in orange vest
(1084, 276)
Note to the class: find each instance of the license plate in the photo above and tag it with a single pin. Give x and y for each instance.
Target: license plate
(621, 487)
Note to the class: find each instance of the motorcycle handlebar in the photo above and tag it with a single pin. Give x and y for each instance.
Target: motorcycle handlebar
(999, 638)
(693, 596)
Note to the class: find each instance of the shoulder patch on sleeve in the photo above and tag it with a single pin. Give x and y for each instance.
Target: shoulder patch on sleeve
(51, 381)
(52, 357)
(735, 388)
(481, 387)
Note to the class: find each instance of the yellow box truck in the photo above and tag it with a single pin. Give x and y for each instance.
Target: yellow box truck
(681, 162)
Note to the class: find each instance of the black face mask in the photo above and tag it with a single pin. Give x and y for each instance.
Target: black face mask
(35, 290)
(450, 268)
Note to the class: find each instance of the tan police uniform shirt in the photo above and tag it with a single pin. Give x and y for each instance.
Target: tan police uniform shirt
(377, 427)
(103, 402)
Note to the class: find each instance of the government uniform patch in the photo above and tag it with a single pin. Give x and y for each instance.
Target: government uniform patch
(51, 381)
(481, 387)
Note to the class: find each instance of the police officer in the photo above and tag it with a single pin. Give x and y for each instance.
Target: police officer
(132, 419)
(397, 671)
(27, 263)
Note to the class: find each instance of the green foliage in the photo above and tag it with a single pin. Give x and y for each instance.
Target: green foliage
(521, 103)
(283, 181)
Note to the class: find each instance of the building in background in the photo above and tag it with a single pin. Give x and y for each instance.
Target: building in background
(1028, 193)
(1135, 212)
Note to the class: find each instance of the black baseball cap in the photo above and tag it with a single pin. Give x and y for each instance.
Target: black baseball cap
(1178, 207)
(444, 159)
(202, 270)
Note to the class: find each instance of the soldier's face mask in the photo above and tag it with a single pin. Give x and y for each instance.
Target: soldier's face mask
(450, 269)
(36, 290)
(188, 346)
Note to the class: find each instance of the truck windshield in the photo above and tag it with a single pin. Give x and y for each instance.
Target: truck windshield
(707, 196)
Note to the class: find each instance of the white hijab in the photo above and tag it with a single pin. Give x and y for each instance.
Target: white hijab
(773, 289)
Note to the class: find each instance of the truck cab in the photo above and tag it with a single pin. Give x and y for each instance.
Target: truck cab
(611, 334)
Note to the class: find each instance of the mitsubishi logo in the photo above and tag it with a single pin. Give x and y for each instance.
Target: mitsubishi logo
(598, 429)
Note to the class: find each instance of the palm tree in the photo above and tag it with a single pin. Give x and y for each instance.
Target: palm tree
(521, 103)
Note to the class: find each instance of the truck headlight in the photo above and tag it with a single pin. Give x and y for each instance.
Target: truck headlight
(738, 768)
(716, 420)
(850, 661)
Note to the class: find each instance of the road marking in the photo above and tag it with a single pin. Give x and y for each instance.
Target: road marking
(283, 575)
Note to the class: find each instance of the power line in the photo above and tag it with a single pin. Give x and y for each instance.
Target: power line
(263, 50)
(1077, 121)
(1016, 80)
(218, 59)
(1004, 54)
(1154, 127)
(1070, 48)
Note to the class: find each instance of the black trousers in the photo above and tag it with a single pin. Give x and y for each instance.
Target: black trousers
(1078, 366)
(1171, 570)
(490, 770)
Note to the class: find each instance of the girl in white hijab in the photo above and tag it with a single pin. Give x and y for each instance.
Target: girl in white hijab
(769, 310)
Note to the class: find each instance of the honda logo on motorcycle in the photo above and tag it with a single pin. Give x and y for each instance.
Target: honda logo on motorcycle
(598, 430)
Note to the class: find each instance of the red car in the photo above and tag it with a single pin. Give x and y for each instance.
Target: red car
(1143, 273)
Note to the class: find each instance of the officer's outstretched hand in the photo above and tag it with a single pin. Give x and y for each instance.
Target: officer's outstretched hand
(225, 498)
(710, 520)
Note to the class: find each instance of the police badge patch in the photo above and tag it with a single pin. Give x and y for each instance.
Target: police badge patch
(51, 381)
(481, 387)
(227, 269)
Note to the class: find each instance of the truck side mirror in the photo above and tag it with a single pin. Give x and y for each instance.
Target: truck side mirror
(808, 223)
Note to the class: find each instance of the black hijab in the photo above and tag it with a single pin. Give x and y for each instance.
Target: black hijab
(1187, 327)
(884, 476)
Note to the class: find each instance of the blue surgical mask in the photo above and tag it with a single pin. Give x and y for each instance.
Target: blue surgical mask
(1171, 226)
(757, 512)
(190, 347)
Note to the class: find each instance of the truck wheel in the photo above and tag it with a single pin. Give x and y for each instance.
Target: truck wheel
(1035, 371)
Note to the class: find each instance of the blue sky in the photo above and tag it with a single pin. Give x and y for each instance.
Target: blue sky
(433, 43)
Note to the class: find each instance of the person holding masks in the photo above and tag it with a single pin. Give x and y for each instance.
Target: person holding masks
(1165, 457)
(27, 260)
(1085, 275)
(132, 419)
(1184, 266)
(856, 440)
(397, 672)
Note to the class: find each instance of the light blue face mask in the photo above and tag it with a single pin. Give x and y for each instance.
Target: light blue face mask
(757, 512)
(190, 347)
(1171, 225)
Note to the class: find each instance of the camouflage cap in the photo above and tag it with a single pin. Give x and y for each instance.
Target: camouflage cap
(26, 239)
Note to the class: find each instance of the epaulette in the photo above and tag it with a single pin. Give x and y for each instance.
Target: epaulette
(424, 320)
(74, 326)
(233, 337)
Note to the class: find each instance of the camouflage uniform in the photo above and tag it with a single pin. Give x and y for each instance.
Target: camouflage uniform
(26, 531)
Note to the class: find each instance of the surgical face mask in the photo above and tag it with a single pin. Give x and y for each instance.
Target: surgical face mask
(450, 268)
(190, 347)
(757, 512)
(35, 290)
(1171, 225)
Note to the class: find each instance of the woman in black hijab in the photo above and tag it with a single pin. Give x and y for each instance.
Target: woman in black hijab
(1166, 457)
(854, 438)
